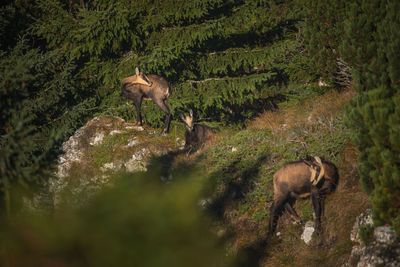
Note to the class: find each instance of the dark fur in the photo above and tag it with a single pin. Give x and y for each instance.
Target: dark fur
(198, 136)
(291, 182)
(158, 92)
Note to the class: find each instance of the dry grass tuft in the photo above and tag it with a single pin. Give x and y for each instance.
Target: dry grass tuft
(323, 107)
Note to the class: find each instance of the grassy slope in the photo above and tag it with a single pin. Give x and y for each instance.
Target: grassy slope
(241, 165)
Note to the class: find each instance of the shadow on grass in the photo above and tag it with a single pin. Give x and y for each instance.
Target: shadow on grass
(237, 184)
(235, 190)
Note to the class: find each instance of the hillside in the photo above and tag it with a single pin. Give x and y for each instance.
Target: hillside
(236, 179)
(314, 126)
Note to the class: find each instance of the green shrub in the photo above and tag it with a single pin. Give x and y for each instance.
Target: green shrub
(366, 234)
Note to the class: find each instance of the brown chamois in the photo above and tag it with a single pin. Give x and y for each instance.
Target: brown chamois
(196, 135)
(313, 178)
(148, 87)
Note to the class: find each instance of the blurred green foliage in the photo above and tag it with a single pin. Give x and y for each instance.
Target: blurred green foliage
(139, 222)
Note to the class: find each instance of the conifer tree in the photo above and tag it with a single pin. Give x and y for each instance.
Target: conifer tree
(324, 35)
(223, 58)
(372, 42)
(363, 34)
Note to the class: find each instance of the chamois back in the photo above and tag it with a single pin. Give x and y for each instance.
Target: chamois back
(152, 87)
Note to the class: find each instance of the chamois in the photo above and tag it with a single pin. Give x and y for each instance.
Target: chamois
(152, 87)
(302, 179)
(196, 135)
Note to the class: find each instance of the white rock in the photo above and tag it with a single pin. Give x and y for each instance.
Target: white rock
(108, 166)
(132, 142)
(116, 132)
(137, 128)
(385, 235)
(138, 161)
(322, 83)
(97, 139)
(309, 229)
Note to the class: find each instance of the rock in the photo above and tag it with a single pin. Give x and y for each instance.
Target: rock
(364, 219)
(111, 166)
(132, 143)
(116, 132)
(309, 229)
(322, 83)
(180, 143)
(385, 235)
(134, 127)
(78, 178)
(382, 250)
(137, 161)
(97, 139)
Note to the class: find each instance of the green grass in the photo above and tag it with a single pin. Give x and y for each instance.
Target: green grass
(253, 155)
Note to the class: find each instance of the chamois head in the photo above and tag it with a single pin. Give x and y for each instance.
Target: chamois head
(142, 78)
(188, 120)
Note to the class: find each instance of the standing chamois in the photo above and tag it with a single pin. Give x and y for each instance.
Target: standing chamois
(196, 135)
(152, 87)
(301, 179)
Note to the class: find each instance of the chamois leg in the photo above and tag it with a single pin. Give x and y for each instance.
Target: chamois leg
(138, 104)
(317, 209)
(163, 105)
(292, 212)
(274, 213)
(322, 205)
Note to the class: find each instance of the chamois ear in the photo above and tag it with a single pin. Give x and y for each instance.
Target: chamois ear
(137, 71)
(318, 159)
(182, 117)
(191, 113)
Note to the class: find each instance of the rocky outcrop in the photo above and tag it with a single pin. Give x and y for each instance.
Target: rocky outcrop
(102, 147)
(382, 250)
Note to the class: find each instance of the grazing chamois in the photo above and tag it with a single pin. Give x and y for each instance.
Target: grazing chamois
(196, 135)
(148, 87)
(301, 179)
